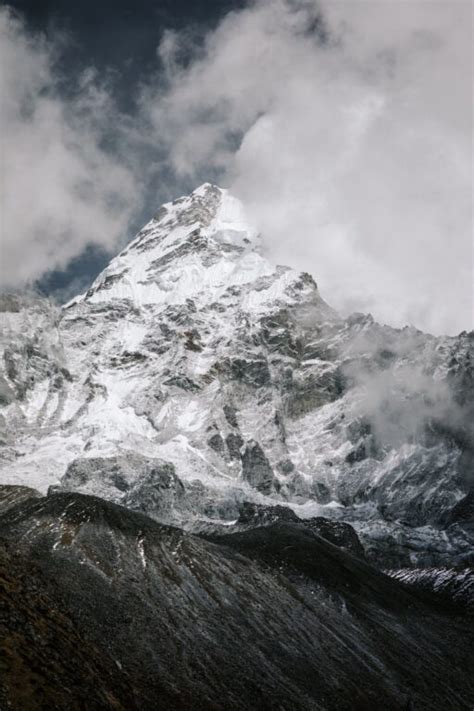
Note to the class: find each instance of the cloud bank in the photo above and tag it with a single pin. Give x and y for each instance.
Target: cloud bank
(345, 126)
(61, 189)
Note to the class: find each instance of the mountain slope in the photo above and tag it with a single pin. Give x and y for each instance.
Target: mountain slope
(194, 376)
(273, 617)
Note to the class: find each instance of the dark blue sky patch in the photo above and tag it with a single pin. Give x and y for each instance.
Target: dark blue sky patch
(62, 285)
(120, 37)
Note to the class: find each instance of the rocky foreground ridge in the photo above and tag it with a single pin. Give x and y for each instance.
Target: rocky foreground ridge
(107, 608)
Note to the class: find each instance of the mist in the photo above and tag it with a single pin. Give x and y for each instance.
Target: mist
(354, 154)
(61, 189)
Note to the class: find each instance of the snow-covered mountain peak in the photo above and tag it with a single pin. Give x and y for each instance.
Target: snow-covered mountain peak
(195, 374)
(209, 212)
(201, 247)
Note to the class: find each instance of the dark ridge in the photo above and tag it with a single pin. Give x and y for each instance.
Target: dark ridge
(45, 662)
(271, 618)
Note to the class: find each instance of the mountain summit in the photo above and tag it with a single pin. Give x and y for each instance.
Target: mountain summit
(195, 376)
(198, 247)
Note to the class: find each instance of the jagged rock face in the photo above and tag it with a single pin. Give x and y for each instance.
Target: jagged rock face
(132, 480)
(256, 469)
(254, 515)
(191, 348)
(272, 617)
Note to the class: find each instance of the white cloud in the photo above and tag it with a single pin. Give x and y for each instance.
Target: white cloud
(354, 155)
(61, 190)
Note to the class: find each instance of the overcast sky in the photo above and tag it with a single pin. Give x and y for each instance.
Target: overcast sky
(346, 128)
